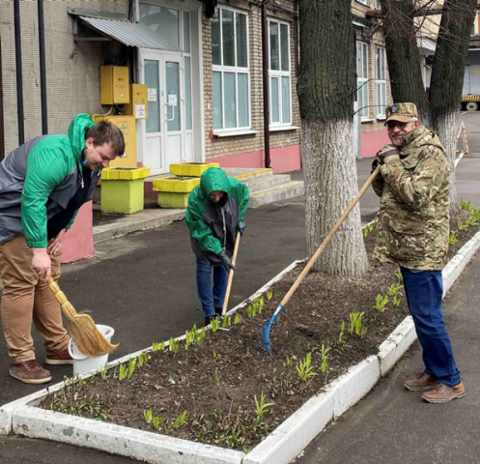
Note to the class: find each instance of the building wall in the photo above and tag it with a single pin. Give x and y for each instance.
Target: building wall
(226, 150)
(72, 68)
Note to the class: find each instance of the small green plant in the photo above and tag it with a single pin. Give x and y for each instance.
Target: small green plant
(103, 372)
(226, 322)
(462, 225)
(173, 345)
(399, 276)
(381, 303)
(190, 338)
(452, 240)
(394, 290)
(201, 337)
(143, 359)
(369, 228)
(157, 422)
(237, 319)
(269, 295)
(215, 324)
(251, 310)
(217, 381)
(341, 341)
(363, 332)
(158, 346)
(131, 367)
(305, 368)
(466, 205)
(397, 301)
(214, 352)
(148, 414)
(180, 420)
(356, 322)
(325, 357)
(122, 372)
(261, 408)
(289, 361)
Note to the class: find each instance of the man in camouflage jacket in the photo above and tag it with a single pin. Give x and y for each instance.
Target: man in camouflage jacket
(414, 187)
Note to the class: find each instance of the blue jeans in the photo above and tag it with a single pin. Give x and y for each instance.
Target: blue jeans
(211, 297)
(424, 290)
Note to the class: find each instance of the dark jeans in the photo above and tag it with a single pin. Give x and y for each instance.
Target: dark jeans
(424, 290)
(211, 297)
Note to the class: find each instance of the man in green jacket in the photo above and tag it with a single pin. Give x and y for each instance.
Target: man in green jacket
(215, 213)
(414, 187)
(43, 183)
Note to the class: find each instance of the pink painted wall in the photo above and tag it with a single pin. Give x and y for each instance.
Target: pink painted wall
(78, 241)
(372, 142)
(285, 159)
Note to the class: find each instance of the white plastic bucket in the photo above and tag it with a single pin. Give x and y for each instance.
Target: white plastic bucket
(81, 362)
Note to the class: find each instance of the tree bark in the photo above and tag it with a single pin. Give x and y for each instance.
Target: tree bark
(447, 80)
(326, 88)
(403, 57)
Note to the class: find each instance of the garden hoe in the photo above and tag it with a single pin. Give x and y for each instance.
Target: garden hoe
(82, 329)
(230, 277)
(264, 335)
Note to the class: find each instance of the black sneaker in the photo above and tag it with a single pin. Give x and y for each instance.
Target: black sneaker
(209, 319)
(218, 311)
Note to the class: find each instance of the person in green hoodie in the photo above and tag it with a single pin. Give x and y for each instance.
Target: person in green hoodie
(215, 213)
(43, 184)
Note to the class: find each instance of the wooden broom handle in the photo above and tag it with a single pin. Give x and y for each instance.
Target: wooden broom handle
(230, 275)
(327, 239)
(66, 306)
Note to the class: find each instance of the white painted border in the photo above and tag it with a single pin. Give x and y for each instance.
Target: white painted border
(280, 447)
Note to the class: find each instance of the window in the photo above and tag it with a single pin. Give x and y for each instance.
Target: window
(381, 81)
(280, 73)
(362, 79)
(378, 6)
(231, 75)
(163, 21)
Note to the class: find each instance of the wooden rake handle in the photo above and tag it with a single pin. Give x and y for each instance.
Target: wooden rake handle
(230, 275)
(327, 239)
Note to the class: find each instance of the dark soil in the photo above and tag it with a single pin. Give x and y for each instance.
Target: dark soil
(216, 383)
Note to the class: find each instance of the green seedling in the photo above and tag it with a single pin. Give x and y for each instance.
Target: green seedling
(466, 205)
(217, 381)
(237, 319)
(394, 290)
(325, 357)
(157, 422)
(261, 408)
(173, 345)
(341, 342)
(226, 321)
(122, 372)
(180, 420)
(289, 361)
(131, 367)
(143, 359)
(215, 324)
(462, 225)
(452, 240)
(103, 373)
(214, 353)
(398, 275)
(190, 338)
(148, 414)
(363, 332)
(381, 303)
(251, 310)
(356, 322)
(201, 337)
(397, 301)
(305, 368)
(269, 295)
(157, 346)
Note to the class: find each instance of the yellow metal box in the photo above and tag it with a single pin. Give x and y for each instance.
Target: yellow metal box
(175, 184)
(191, 169)
(138, 105)
(114, 85)
(127, 125)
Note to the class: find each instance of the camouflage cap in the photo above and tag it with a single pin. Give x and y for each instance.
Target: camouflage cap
(402, 112)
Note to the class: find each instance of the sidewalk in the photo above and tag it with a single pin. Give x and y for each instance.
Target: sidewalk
(144, 286)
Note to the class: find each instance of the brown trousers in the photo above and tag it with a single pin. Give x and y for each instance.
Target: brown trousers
(27, 298)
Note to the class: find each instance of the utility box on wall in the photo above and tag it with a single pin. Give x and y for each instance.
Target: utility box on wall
(127, 125)
(138, 106)
(114, 85)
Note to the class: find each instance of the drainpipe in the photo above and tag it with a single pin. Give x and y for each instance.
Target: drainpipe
(43, 72)
(2, 123)
(266, 112)
(18, 62)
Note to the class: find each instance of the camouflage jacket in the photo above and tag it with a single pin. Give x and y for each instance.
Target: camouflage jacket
(414, 207)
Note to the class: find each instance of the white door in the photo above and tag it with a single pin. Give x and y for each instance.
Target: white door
(164, 130)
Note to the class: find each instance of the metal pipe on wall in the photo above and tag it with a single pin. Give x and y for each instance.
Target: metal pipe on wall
(2, 120)
(18, 62)
(43, 71)
(266, 110)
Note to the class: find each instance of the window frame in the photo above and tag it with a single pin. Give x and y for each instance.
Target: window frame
(381, 109)
(272, 73)
(362, 82)
(363, 2)
(222, 69)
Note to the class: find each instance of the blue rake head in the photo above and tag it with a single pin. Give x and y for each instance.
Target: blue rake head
(264, 338)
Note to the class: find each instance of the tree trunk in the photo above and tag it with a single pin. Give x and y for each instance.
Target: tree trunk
(447, 80)
(326, 88)
(403, 57)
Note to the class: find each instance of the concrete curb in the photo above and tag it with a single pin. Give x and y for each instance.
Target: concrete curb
(280, 447)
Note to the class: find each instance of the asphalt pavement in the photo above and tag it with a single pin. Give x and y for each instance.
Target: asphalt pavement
(143, 285)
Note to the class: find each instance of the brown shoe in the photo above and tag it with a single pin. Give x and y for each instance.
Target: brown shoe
(30, 372)
(443, 394)
(59, 359)
(421, 383)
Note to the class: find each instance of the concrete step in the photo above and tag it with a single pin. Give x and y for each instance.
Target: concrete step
(261, 183)
(244, 174)
(272, 194)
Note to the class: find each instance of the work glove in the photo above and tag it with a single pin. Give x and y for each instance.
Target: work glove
(385, 152)
(226, 261)
(240, 227)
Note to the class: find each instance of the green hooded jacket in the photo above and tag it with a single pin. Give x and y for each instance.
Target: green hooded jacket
(414, 207)
(38, 179)
(212, 225)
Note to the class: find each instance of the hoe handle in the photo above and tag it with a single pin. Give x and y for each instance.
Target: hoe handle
(327, 239)
(230, 275)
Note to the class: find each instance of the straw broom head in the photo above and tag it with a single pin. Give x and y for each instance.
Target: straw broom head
(82, 328)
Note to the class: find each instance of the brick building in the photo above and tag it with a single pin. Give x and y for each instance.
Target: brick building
(204, 72)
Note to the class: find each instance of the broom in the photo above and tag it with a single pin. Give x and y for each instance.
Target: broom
(81, 327)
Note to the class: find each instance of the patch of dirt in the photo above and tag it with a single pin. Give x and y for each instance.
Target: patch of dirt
(223, 383)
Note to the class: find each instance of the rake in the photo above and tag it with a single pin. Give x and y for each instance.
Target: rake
(264, 334)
